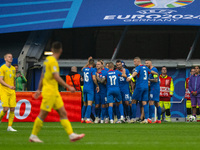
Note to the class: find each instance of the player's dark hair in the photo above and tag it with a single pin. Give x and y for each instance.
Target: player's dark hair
(196, 66)
(164, 67)
(118, 61)
(56, 46)
(91, 61)
(100, 61)
(111, 65)
(148, 60)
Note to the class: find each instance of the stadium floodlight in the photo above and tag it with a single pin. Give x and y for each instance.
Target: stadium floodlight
(48, 53)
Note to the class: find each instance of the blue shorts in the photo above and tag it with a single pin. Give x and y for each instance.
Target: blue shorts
(140, 94)
(88, 96)
(125, 95)
(114, 95)
(154, 95)
(100, 98)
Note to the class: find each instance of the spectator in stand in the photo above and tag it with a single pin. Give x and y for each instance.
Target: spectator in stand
(187, 93)
(194, 88)
(20, 79)
(74, 79)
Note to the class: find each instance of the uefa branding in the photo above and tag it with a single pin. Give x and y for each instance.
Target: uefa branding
(156, 11)
(162, 3)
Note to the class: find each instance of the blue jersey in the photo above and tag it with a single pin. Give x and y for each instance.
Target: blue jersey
(102, 86)
(106, 69)
(154, 85)
(88, 81)
(123, 84)
(112, 77)
(142, 76)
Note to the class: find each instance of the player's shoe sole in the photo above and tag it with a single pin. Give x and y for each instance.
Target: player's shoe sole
(77, 138)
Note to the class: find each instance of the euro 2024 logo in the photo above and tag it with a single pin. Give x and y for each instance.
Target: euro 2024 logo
(162, 3)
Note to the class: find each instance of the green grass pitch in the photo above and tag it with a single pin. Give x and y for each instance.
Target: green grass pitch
(104, 136)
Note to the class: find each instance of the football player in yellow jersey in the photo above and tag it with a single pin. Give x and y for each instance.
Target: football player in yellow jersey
(8, 96)
(51, 97)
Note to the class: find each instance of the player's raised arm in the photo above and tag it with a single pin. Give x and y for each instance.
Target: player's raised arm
(87, 63)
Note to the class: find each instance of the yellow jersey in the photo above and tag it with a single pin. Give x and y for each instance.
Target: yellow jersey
(8, 75)
(50, 85)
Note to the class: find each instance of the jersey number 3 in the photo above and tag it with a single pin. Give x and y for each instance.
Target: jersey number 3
(145, 75)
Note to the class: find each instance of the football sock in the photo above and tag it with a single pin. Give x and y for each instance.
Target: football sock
(134, 110)
(103, 111)
(11, 118)
(106, 113)
(146, 111)
(2, 114)
(97, 112)
(151, 111)
(37, 126)
(83, 111)
(117, 112)
(110, 112)
(121, 110)
(66, 125)
(127, 107)
(159, 113)
(88, 112)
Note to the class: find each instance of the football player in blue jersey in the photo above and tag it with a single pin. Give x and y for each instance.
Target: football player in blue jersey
(154, 93)
(101, 96)
(113, 91)
(141, 90)
(88, 89)
(124, 89)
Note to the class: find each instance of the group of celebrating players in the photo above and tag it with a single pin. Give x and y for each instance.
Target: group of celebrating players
(110, 90)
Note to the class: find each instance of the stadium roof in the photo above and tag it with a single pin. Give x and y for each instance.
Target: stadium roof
(28, 15)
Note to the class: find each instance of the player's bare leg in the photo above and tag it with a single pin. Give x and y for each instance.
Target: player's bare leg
(67, 125)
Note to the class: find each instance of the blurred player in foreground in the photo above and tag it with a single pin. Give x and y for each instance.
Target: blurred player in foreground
(8, 96)
(51, 97)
